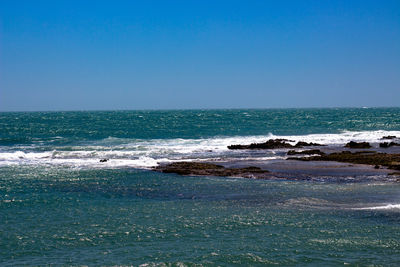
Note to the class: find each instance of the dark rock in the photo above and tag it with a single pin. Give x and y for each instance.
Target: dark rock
(376, 167)
(384, 145)
(306, 152)
(387, 144)
(103, 160)
(353, 144)
(391, 161)
(209, 169)
(389, 137)
(394, 166)
(301, 144)
(273, 144)
(270, 144)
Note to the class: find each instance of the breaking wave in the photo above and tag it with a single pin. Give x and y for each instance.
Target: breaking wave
(383, 207)
(141, 153)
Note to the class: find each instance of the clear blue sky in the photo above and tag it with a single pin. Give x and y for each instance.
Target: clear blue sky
(85, 55)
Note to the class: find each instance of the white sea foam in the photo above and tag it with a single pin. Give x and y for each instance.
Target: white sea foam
(342, 138)
(383, 207)
(20, 155)
(140, 153)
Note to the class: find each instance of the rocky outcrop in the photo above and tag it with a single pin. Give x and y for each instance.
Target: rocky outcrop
(302, 144)
(353, 144)
(387, 144)
(209, 169)
(391, 161)
(270, 144)
(273, 144)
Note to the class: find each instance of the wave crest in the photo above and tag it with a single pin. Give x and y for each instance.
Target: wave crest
(141, 153)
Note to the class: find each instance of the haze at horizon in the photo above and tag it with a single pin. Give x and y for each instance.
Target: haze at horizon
(69, 55)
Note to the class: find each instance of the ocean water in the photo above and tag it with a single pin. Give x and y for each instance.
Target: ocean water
(59, 205)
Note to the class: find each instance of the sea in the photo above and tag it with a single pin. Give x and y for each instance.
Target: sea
(61, 206)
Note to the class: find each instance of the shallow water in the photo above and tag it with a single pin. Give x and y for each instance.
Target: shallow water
(63, 207)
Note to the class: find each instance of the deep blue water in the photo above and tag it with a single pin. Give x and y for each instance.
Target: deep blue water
(27, 127)
(59, 205)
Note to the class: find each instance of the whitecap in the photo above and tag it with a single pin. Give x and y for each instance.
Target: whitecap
(142, 153)
(383, 207)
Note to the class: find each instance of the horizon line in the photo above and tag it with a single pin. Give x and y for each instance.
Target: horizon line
(191, 109)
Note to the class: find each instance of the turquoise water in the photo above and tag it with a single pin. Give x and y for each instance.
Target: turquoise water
(59, 205)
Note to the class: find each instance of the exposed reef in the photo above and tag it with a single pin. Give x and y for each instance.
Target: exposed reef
(273, 144)
(209, 169)
(328, 162)
(391, 161)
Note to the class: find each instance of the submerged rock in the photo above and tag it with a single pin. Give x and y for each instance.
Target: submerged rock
(306, 152)
(283, 140)
(273, 144)
(391, 161)
(353, 144)
(209, 169)
(389, 137)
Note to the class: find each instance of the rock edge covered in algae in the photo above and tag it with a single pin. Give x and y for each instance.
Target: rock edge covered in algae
(391, 161)
(209, 169)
